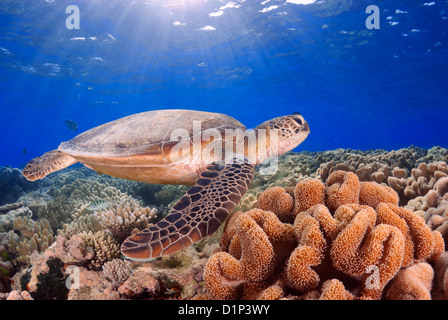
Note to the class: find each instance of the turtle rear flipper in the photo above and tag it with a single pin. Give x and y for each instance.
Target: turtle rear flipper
(197, 214)
(51, 161)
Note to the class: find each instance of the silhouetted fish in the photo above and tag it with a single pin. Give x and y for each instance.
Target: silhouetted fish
(99, 205)
(24, 151)
(71, 125)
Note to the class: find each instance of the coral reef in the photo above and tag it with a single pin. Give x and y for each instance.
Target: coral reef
(104, 246)
(51, 284)
(19, 295)
(440, 291)
(35, 236)
(6, 269)
(331, 249)
(421, 180)
(121, 218)
(340, 224)
(117, 270)
(13, 185)
(411, 283)
(433, 207)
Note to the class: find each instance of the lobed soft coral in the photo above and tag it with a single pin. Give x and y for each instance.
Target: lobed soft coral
(255, 244)
(342, 188)
(277, 200)
(372, 194)
(348, 240)
(308, 193)
(411, 283)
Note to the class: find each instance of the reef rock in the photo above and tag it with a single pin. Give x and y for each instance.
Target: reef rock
(13, 185)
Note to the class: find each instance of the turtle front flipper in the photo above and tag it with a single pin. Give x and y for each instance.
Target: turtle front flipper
(49, 162)
(197, 214)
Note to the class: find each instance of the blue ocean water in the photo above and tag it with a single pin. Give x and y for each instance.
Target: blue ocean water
(358, 88)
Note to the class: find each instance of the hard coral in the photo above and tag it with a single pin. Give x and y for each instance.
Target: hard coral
(105, 247)
(117, 270)
(122, 217)
(35, 236)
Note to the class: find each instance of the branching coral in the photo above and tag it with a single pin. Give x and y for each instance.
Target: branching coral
(117, 271)
(35, 236)
(122, 218)
(81, 224)
(105, 247)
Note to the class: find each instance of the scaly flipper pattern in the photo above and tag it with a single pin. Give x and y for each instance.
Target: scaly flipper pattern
(197, 214)
(49, 162)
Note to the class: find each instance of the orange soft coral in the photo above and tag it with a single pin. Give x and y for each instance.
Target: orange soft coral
(421, 242)
(308, 193)
(277, 200)
(412, 283)
(334, 290)
(332, 244)
(440, 291)
(342, 188)
(362, 247)
(253, 260)
(372, 193)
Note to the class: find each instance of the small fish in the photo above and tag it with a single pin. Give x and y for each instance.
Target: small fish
(24, 150)
(99, 205)
(71, 125)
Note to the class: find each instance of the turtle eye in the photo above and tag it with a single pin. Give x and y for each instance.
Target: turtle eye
(299, 121)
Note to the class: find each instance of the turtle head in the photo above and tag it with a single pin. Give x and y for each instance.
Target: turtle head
(289, 131)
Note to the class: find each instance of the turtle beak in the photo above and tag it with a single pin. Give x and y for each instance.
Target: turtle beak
(305, 128)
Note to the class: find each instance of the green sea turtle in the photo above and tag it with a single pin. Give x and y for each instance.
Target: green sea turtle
(178, 147)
